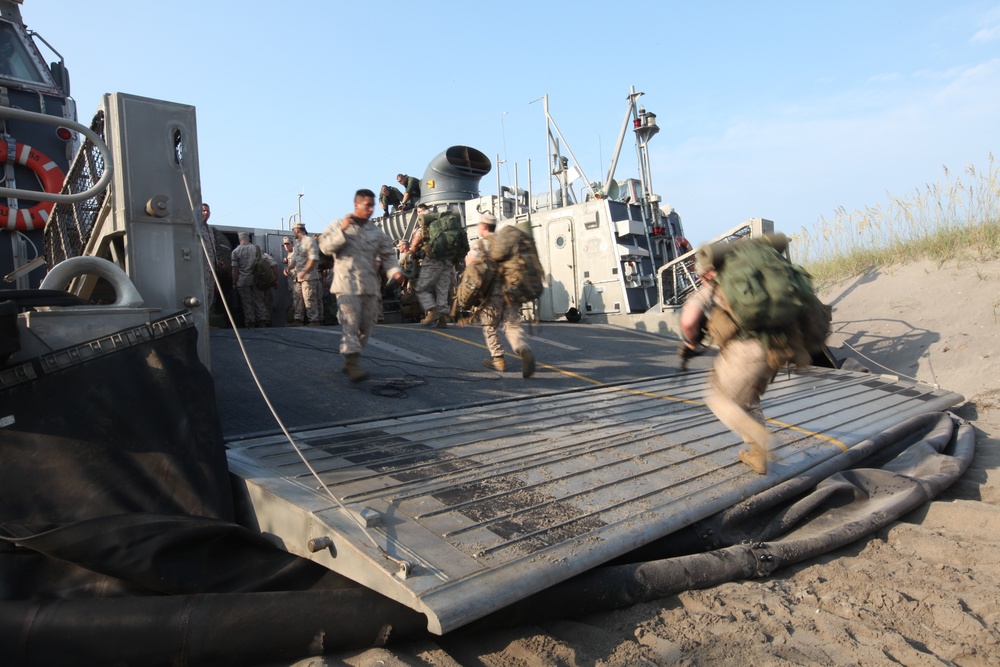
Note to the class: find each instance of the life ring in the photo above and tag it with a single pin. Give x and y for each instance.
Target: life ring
(683, 245)
(51, 178)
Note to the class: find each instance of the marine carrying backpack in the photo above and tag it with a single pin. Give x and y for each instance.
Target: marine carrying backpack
(444, 236)
(516, 256)
(475, 283)
(772, 299)
(263, 274)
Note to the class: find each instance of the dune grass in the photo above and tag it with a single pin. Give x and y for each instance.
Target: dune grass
(956, 218)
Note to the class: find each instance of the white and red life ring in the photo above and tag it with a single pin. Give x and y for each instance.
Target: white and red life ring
(51, 178)
(682, 244)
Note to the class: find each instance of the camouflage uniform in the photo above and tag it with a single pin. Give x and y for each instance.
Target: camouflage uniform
(306, 249)
(497, 311)
(738, 379)
(293, 287)
(433, 284)
(264, 301)
(357, 283)
(244, 257)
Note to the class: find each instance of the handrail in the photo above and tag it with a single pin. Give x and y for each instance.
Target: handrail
(56, 121)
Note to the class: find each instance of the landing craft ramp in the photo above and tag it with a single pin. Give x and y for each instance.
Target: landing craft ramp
(516, 485)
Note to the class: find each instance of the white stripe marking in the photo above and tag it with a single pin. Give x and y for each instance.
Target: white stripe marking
(554, 343)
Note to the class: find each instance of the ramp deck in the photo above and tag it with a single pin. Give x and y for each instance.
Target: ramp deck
(489, 502)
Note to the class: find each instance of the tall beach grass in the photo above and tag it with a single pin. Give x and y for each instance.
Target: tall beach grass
(955, 218)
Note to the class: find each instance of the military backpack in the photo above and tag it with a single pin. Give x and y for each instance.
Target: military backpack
(772, 299)
(518, 265)
(475, 283)
(263, 274)
(444, 236)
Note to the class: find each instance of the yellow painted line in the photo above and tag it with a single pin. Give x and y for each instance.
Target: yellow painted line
(649, 394)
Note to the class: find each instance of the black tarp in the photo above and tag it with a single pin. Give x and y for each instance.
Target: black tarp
(117, 524)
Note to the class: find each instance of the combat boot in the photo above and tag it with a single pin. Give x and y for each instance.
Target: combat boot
(430, 318)
(296, 323)
(755, 457)
(353, 369)
(442, 321)
(527, 363)
(265, 324)
(496, 363)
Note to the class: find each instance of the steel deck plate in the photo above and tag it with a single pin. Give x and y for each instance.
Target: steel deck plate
(489, 503)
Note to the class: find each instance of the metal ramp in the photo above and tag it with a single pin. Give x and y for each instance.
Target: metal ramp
(488, 504)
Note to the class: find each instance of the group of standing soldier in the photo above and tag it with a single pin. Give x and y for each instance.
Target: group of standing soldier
(362, 254)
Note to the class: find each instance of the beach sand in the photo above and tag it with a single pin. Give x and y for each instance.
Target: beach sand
(923, 591)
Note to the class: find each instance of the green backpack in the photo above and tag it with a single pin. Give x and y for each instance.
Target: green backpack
(768, 294)
(445, 237)
(263, 274)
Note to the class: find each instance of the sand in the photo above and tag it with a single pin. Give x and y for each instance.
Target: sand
(924, 591)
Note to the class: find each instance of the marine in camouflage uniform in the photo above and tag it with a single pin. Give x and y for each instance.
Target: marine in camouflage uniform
(294, 291)
(360, 251)
(264, 301)
(497, 311)
(307, 275)
(433, 286)
(244, 257)
(739, 376)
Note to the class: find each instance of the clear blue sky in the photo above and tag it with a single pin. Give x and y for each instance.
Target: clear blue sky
(784, 110)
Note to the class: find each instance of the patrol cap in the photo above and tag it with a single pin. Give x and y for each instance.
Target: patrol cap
(299, 225)
(286, 240)
(243, 235)
(703, 259)
(488, 218)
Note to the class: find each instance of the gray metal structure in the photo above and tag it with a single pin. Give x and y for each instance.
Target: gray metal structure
(144, 222)
(460, 511)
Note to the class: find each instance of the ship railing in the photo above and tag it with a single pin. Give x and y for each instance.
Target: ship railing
(678, 279)
(84, 193)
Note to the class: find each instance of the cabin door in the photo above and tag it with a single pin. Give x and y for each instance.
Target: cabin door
(561, 293)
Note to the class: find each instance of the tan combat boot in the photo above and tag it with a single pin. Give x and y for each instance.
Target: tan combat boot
(755, 457)
(496, 364)
(430, 318)
(353, 368)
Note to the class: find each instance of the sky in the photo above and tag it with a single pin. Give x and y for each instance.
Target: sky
(781, 110)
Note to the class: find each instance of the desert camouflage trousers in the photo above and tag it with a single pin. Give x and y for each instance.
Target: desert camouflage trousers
(308, 302)
(433, 285)
(296, 292)
(738, 379)
(498, 313)
(357, 314)
(253, 305)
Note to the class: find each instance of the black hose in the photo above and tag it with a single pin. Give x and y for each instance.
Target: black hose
(883, 497)
(225, 629)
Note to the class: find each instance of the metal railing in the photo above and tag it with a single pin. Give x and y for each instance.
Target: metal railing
(72, 223)
(678, 280)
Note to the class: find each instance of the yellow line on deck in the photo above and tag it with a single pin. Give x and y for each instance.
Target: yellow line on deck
(650, 394)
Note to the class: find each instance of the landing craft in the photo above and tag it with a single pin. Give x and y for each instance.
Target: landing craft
(35, 154)
(613, 253)
(156, 512)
